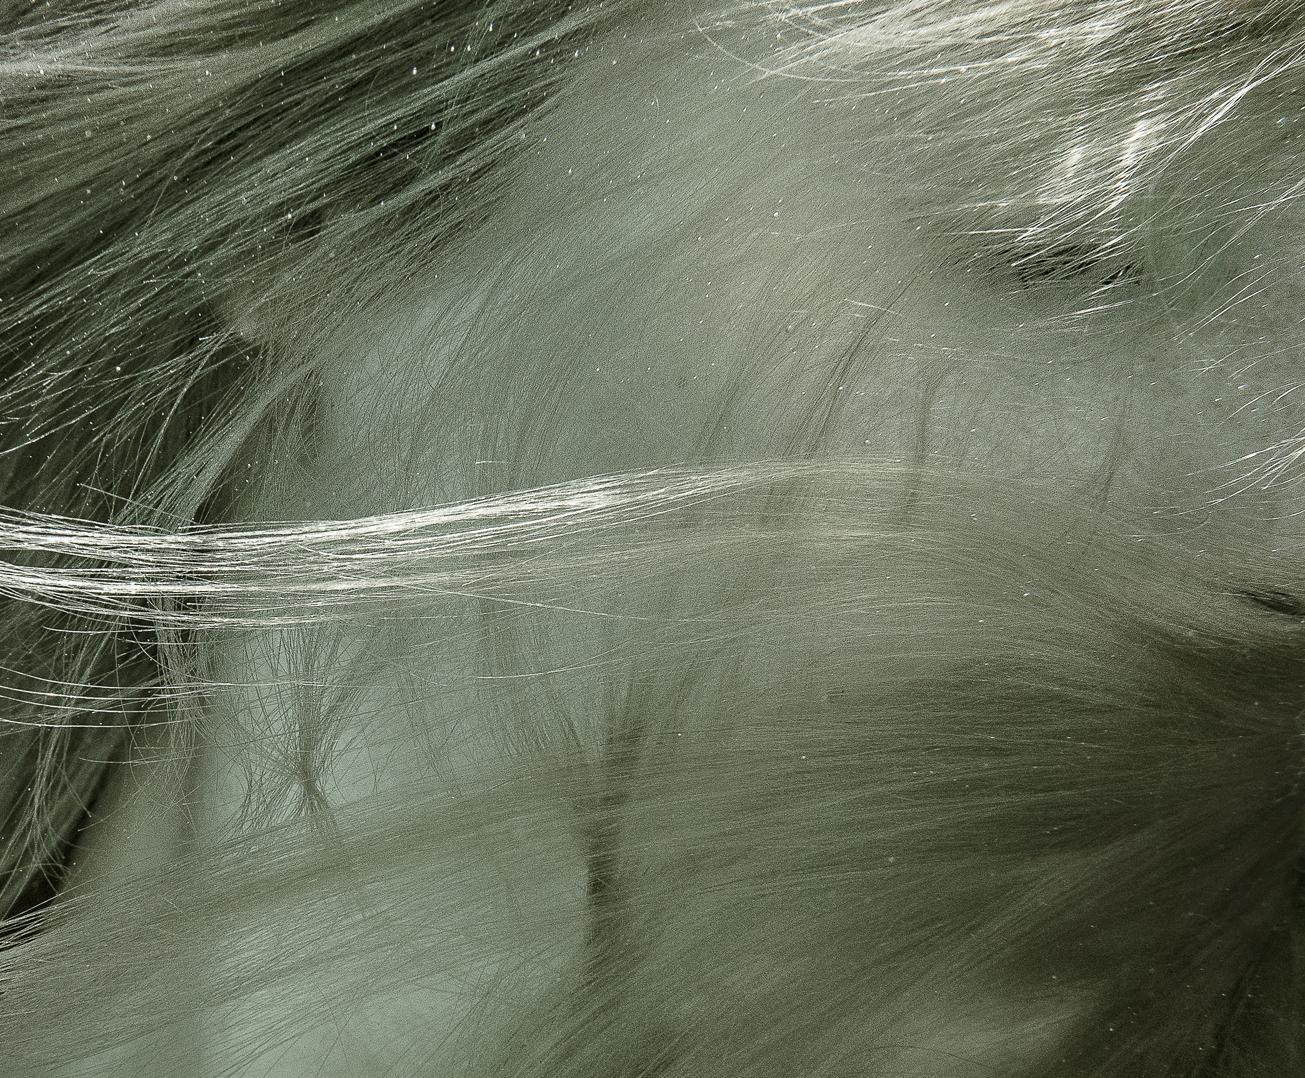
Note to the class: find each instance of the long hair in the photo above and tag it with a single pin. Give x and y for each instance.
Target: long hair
(371, 709)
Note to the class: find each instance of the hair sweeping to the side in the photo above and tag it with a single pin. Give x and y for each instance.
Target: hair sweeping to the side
(974, 749)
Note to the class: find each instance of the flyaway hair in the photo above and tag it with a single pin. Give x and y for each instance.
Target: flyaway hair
(814, 763)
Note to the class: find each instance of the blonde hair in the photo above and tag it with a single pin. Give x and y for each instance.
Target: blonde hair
(1051, 791)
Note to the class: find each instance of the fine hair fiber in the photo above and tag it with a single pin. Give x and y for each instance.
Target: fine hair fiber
(938, 765)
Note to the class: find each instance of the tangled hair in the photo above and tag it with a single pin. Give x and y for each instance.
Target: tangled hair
(329, 751)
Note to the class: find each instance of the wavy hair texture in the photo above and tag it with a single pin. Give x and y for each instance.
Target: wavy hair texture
(941, 765)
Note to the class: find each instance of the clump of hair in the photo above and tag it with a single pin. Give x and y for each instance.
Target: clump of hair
(1051, 794)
